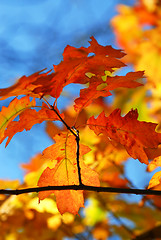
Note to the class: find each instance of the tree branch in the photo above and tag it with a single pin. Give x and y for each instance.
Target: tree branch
(82, 187)
(61, 119)
(77, 156)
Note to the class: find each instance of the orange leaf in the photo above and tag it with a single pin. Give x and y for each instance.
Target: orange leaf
(65, 173)
(15, 108)
(136, 136)
(104, 50)
(156, 162)
(29, 118)
(34, 164)
(87, 95)
(113, 179)
(25, 86)
(52, 129)
(128, 81)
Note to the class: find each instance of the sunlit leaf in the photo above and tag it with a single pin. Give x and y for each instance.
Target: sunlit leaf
(15, 108)
(65, 173)
(136, 136)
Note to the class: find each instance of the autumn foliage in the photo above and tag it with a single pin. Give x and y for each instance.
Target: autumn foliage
(91, 148)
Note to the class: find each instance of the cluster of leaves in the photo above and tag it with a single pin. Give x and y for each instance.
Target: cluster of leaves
(87, 151)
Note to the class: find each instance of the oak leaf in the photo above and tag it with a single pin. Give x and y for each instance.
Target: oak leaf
(128, 81)
(96, 48)
(76, 63)
(87, 95)
(28, 118)
(65, 173)
(25, 85)
(136, 136)
(15, 108)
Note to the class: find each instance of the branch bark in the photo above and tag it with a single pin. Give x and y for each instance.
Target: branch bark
(82, 187)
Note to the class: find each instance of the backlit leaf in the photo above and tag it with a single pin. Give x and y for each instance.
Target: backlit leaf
(15, 108)
(28, 118)
(65, 173)
(136, 136)
(128, 81)
(24, 86)
(87, 95)
(155, 182)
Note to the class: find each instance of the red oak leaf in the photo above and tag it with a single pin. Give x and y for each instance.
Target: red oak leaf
(104, 50)
(27, 119)
(87, 95)
(25, 85)
(15, 108)
(128, 81)
(136, 136)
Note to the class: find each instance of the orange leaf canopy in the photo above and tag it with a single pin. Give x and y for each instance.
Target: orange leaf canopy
(65, 173)
(137, 137)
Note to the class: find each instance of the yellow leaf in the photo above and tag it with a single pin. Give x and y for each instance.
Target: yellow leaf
(155, 181)
(48, 205)
(54, 222)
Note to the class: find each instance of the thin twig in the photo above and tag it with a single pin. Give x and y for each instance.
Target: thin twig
(61, 119)
(82, 187)
(77, 156)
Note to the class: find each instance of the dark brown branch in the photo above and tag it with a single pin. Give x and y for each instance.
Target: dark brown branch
(61, 119)
(77, 156)
(83, 187)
